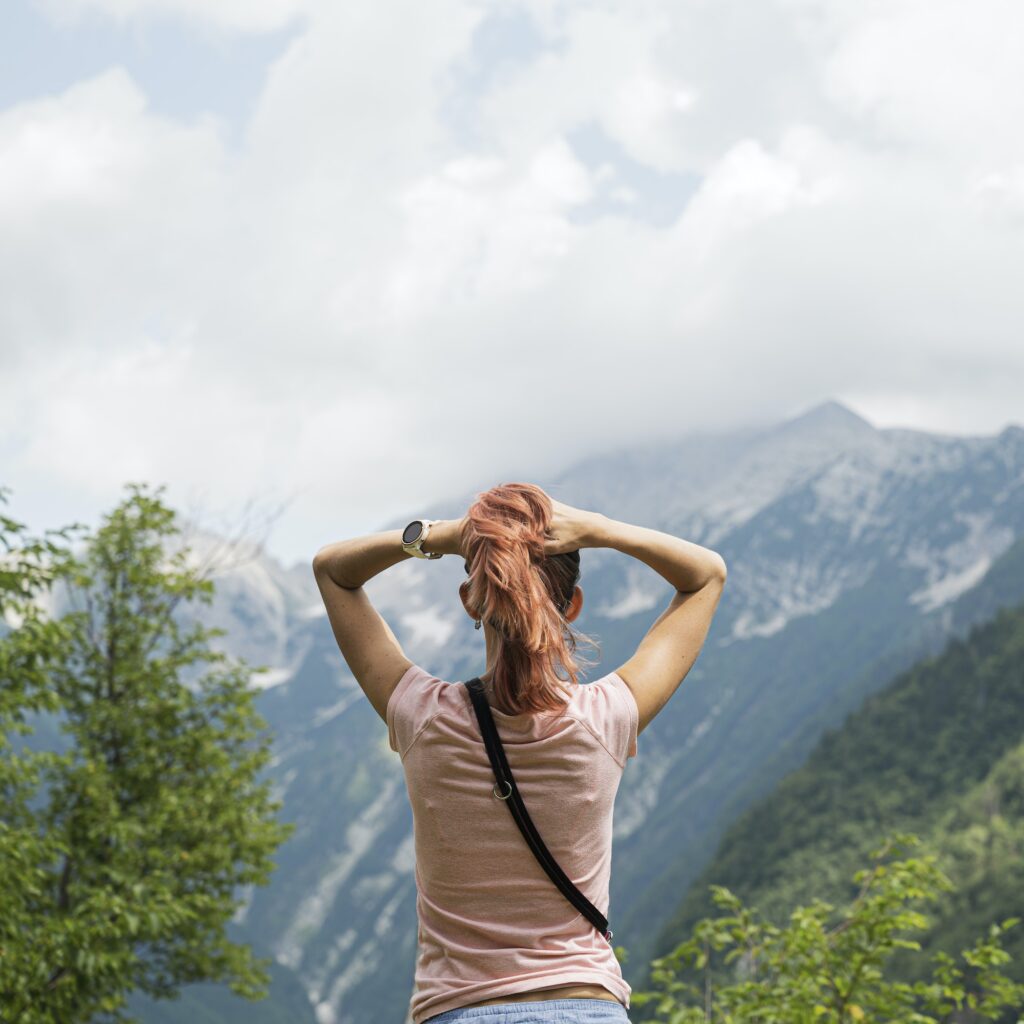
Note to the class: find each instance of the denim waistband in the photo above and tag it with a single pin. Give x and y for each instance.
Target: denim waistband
(579, 1010)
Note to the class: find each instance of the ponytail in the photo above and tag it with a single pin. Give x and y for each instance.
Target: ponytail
(523, 594)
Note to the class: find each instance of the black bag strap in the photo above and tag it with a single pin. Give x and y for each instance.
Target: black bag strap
(503, 777)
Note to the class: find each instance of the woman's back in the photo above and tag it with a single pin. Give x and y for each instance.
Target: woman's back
(491, 921)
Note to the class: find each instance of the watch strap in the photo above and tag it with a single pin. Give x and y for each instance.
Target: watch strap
(416, 548)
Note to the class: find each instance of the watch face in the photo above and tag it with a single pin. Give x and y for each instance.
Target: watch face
(412, 532)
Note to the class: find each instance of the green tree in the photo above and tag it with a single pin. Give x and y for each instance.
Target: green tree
(826, 967)
(122, 856)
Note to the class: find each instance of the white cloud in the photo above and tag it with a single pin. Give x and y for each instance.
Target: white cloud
(935, 73)
(245, 15)
(750, 184)
(1000, 192)
(355, 306)
(602, 68)
(107, 214)
(484, 230)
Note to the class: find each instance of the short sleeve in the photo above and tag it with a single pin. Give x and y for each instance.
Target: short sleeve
(609, 711)
(629, 717)
(410, 706)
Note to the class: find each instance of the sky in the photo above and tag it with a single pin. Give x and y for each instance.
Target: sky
(343, 261)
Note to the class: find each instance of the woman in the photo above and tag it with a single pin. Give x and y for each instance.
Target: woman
(498, 941)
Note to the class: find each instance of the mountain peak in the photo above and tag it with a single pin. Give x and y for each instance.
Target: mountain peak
(829, 415)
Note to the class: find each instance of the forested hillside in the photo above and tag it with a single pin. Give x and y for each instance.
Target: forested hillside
(940, 752)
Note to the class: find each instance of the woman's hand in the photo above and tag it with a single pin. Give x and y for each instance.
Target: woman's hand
(570, 528)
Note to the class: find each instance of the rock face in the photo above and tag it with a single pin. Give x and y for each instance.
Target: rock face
(846, 547)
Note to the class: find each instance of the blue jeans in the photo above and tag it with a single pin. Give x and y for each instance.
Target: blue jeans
(537, 1011)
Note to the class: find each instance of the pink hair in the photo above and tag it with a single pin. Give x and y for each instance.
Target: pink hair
(522, 594)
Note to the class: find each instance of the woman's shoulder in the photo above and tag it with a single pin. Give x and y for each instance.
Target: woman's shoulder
(412, 704)
(608, 706)
(605, 705)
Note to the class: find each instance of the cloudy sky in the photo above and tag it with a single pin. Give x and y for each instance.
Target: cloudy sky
(351, 258)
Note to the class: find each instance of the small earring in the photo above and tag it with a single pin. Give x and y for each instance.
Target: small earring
(477, 626)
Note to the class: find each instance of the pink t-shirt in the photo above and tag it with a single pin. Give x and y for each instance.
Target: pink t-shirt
(491, 921)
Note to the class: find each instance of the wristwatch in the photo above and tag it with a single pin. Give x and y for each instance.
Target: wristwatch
(413, 537)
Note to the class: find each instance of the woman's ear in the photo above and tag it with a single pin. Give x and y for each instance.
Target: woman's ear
(575, 604)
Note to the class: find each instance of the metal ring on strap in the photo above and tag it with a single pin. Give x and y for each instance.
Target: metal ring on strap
(498, 795)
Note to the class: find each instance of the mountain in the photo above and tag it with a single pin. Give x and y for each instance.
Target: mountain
(848, 547)
(938, 752)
